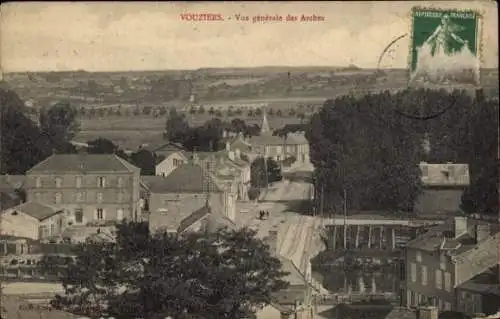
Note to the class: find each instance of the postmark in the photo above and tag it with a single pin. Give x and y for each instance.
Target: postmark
(445, 47)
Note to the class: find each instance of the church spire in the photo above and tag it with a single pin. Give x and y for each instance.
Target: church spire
(265, 125)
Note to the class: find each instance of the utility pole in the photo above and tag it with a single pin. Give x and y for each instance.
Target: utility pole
(345, 217)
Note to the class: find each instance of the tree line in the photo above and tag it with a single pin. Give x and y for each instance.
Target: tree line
(368, 148)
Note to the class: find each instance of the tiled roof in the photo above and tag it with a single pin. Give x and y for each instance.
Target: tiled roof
(441, 237)
(84, 163)
(485, 283)
(266, 139)
(194, 217)
(296, 139)
(187, 178)
(14, 307)
(216, 220)
(448, 174)
(170, 152)
(165, 147)
(402, 313)
(241, 145)
(37, 210)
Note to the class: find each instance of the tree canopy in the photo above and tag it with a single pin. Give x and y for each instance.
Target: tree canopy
(226, 274)
(258, 176)
(371, 146)
(23, 142)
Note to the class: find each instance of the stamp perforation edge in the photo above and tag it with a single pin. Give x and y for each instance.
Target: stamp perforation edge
(479, 32)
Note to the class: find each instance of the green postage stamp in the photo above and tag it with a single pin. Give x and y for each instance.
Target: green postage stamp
(445, 47)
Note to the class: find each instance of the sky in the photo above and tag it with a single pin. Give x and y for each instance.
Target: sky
(151, 36)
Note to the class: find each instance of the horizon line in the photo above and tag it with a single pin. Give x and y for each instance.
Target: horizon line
(353, 67)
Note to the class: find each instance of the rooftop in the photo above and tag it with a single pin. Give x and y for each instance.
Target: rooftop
(187, 178)
(35, 210)
(83, 163)
(487, 282)
(442, 237)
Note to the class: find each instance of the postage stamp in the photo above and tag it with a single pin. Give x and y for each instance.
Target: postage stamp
(445, 47)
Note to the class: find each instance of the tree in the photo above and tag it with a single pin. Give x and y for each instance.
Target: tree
(292, 112)
(238, 111)
(177, 127)
(192, 110)
(102, 146)
(250, 112)
(225, 274)
(201, 110)
(22, 145)
(253, 193)
(260, 177)
(238, 126)
(279, 113)
(211, 111)
(258, 112)
(145, 160)
(270, 112)
(59, 124)
(218, 113)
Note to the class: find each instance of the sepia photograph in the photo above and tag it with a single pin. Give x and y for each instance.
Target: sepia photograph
(249, 160)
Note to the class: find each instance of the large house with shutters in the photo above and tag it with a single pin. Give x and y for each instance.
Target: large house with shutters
(90, 188)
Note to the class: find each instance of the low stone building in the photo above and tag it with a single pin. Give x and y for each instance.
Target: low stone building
(174, 197)
(171, 161)
(33, 220)
(480, 294)
(443, 185)
(445, 257)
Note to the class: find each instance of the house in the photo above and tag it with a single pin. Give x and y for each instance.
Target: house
(172, 160)
(33, 220)
(205, 219)
(445, 257)
(443, 186)
(165, 149)
(280, 148)
(173, 197)
(234, 159)
(94, 188)
(480, 294)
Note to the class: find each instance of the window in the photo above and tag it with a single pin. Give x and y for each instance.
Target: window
(176, 162)
(425, 170)
(120, 182)
(58, 182)
(447, 281)
(419, 256)
(38, 182)
(79, 215)
(99, 197)
(413, 270)
(442, 261)
(101, 182)
(57, 198)
(439, 279)
(78, 182)
(80, 197)
(120, 197)
(100, 214)
(43, 231)
(423, 275)
(52, 229)
(119, 214)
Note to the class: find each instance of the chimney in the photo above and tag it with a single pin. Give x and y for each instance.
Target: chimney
(228, 146)
(481, 232)
(272, 242)
(427, 313)
(460, 225)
